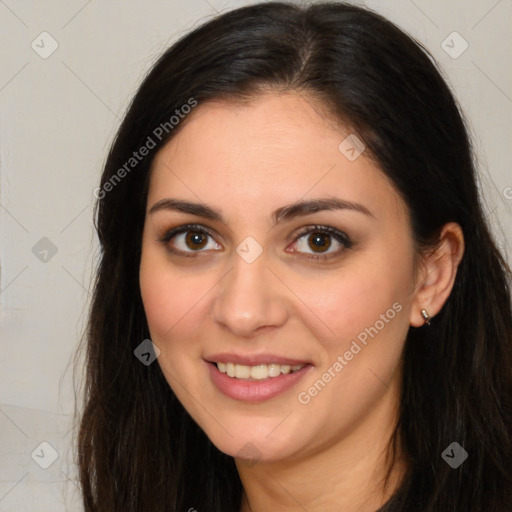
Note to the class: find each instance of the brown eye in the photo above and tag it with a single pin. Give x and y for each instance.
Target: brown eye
(316, 242)
(187, 240)
(195, 240)
(319, 242)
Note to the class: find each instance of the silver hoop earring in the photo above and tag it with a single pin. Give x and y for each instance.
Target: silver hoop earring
(426, 316)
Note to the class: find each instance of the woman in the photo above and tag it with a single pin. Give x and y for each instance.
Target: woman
(289, 220)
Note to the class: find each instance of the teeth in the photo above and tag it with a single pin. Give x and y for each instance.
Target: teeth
(274, 370)
(230, 369)
(258, 372)
(243, 372)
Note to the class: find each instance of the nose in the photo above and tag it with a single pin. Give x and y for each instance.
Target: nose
(250, 299)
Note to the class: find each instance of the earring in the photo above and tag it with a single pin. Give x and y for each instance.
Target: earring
(426, 316)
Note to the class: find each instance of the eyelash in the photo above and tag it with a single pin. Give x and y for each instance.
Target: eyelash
(339, 236)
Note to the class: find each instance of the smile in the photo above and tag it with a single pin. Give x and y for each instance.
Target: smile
(255, 383)
(257, 372)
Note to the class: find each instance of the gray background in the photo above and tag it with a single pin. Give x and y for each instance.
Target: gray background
(58, 117)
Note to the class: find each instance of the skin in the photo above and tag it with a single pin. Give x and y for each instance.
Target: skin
(247, 160)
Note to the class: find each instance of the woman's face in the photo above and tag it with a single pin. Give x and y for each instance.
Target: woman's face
(266, 282)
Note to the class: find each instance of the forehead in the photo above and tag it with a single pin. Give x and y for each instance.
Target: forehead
(269, 127)
(277, 148)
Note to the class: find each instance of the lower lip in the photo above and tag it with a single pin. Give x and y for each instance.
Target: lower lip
(255, 390)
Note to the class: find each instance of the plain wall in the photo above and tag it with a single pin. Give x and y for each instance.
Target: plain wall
(58, 117)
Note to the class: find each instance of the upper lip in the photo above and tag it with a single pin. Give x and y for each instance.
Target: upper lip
(253, 359)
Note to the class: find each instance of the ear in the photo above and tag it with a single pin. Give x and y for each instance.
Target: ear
(437, 273)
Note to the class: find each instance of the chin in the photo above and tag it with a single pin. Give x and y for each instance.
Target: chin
(250, 439)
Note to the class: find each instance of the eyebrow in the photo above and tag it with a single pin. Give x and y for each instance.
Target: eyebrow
(285, 213)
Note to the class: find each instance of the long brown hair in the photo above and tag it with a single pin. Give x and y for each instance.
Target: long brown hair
(138, 449)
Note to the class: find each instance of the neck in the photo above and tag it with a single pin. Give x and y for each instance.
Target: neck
(348, 475)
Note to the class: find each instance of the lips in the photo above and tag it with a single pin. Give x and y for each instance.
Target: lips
(259, 389)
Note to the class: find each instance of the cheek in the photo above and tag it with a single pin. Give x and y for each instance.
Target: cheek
(361, 323)
(366, 313)
(160, 303)
(172, 303)
(356, 298)
(167, 296)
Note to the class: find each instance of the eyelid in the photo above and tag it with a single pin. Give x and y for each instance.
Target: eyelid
(340, 237)
(336, 233)
(184, 228)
